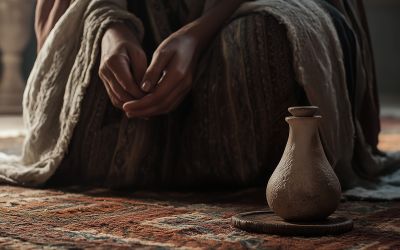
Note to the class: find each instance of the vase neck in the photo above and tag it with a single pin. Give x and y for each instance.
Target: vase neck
(303, 129)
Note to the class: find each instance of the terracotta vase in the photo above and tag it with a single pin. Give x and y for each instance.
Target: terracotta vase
(303, 186)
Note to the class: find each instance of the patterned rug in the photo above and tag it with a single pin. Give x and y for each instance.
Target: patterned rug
(82, 218)
(78, 218)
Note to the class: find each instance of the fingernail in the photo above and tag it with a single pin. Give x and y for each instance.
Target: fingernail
(125, 106)
(146, 86)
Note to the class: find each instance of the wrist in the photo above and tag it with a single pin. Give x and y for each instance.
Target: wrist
(120, 31)
(194, 31)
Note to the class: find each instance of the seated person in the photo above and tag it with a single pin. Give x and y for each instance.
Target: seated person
(194, 93)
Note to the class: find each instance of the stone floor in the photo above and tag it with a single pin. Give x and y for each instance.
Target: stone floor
(11, 126)
(390, 106)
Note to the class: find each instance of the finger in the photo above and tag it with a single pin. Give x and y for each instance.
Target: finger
(115, 87)
(166, 106)
(138, 67)
(169, 81)
(120, 68)
(155, 71)
(116, 103)
(175, 72)
(150, 100)
(170, 102)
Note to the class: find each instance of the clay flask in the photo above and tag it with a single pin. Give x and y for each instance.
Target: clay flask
(303, 186)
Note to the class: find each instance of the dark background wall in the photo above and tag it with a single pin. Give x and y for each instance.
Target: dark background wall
(29, 55)
(384, 22)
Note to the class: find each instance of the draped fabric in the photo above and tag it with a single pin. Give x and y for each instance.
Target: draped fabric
(351, 26)
(230, 129)
(163, 17)
(56, 87)
(133, 164)
(229, 132)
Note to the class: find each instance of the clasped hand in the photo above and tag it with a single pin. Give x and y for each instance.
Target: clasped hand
(143, 90)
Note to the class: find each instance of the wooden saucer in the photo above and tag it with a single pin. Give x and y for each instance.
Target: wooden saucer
(269, 223)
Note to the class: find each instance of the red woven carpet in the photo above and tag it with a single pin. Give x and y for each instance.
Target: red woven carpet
(78, 218)
(101, 219)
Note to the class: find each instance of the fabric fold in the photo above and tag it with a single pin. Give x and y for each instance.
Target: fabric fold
(56, 88)
(62, 72)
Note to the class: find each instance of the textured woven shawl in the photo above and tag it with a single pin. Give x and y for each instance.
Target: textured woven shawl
(56, 88)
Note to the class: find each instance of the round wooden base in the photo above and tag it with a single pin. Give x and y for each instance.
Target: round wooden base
(269, 223)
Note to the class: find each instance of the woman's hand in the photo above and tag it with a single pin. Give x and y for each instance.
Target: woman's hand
(168, 78)
(122, 65)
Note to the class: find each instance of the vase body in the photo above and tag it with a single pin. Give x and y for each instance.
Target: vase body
(303, 186)
(15, 31)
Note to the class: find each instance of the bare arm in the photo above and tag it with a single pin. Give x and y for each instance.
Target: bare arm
(215, 16)
(48, 12)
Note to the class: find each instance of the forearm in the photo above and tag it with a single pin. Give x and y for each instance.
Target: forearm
(215, 16)
(48, 12)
